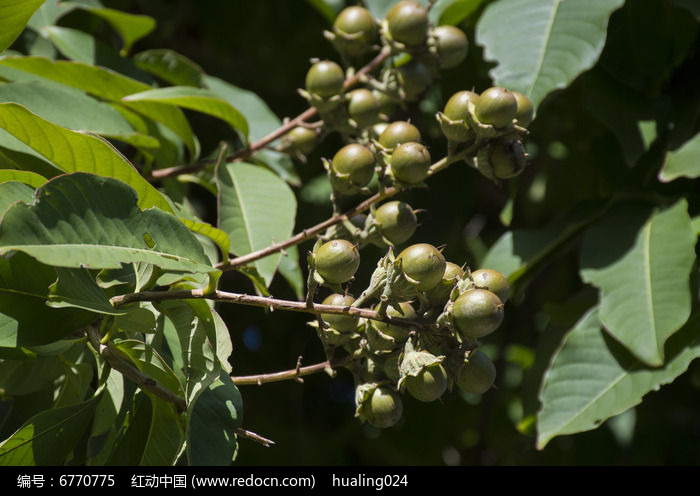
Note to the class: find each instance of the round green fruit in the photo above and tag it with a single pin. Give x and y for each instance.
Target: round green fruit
(507, 158)
(398, 132)
(385, 408)
(363, 107)
(325, 79)
(478, 374)
(355, 163)
(355, 30)
(477, 313)
(396, 221)
(452, 45)
(457, 109)
(397, 332)
(342, 323)
(492, 280)
(410, 162)
(429, 384)
(525, 110)
(424, 264)
(302, 139)
(497, 107)
(337, 261)
(439, 295)
(408, 23)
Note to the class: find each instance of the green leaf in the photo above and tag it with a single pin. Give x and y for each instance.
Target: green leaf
(683, 162)
(24, 177)
(170, 66)
(15, 14)
(327, 8)
(641, 263)
(74, 151)
(131, 27)
(102, 83)
(49, 437)
(591, 377)
(148, 361)
(74, 385)
(546, 45)
(199, 99)
(83, 220)
(256, 208)
(217, 235)
(261, 120)
(453, 12)
(13, 191)
(110, 403)
(279, 163)
(77, 288)
(47, 15)
(216, 415)
(22, 377)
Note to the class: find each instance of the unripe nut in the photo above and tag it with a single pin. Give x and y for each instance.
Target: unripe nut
(396, 221)
(507, 158)
(452, 45)
(492, 280)
(385, 408)
(356, 31)
(525, 110)
(363, 107)
(399, 132)
(457, 110)
(477, 313)
(429, 384)
(408, 23)
(337, 261)
(478, 374)
(302, 139)
(356, 162)
(410, 162)
(423, 263)
(497, 107)
(325, 79)
(341, 323)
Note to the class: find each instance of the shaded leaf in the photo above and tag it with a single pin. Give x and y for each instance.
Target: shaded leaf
(546, 45)
(15, 15)
(149, 361)
(256, 208)
(13, 191)
(453, 12)
(83, 220)
(170, 66)
(683, 162)
(77, 288)
(641, 262)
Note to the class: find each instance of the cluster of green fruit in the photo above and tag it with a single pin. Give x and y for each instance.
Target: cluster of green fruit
(430, 314)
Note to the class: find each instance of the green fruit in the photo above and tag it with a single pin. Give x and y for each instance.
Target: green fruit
(342, 323)
(478, 374)
(429, 384)
(396, 221)
(507, 158)
(424, 264)
(439, 295)
(355, 30)
(354, 163)
(492, 280)
(457, 109)
(397, 332)
(477, 313)
(398, 132)
(302, 139)
(525, 110)
(363, 107)
(415, 78)
(325, 79)
(385, 408)
(497, 107)
(410, 162)
(452, 45)
(337, 261)
(408, 23)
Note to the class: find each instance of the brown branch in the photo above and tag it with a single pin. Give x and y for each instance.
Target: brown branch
(285, 375)
(274, 135)
(254, 437)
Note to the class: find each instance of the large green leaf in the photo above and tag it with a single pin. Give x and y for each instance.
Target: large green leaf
(545, 45)
(148, 361)
(14, 15)
(592, 378)
(74, 110)
(256, 208)
(170, 66)
(199, 99)
(213, 422)
(25, 177)
(12, 191)
(131, 27)
(83, 220)
(683, 162)
(102, 83)
(453, 12)
(641, 262)
(74, 151)
(49, 437)
(77, 288)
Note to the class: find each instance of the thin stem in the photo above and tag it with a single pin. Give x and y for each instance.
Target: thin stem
(285, 375)
(299, 120)
(259, 301)
(254, 437)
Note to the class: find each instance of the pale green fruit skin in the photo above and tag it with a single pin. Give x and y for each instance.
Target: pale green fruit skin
(385, 408)
(399, 132)
(424, 263)
(341, 323)
(507, 158)
(429, 385)
(478, 374)
(408, 23)
(410, 162)
(337, 261)
(439, 295)
(452, 45)
(525, 111)
(303, 139)
(359, 23)
(497, 106)
(492, 280)
(456, 109)
(357, 161)
(363, 107)
(325, 79)
(396, 221)
(395, 331)
(477, 313)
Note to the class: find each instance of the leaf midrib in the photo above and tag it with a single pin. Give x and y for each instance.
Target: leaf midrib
(543, 53)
